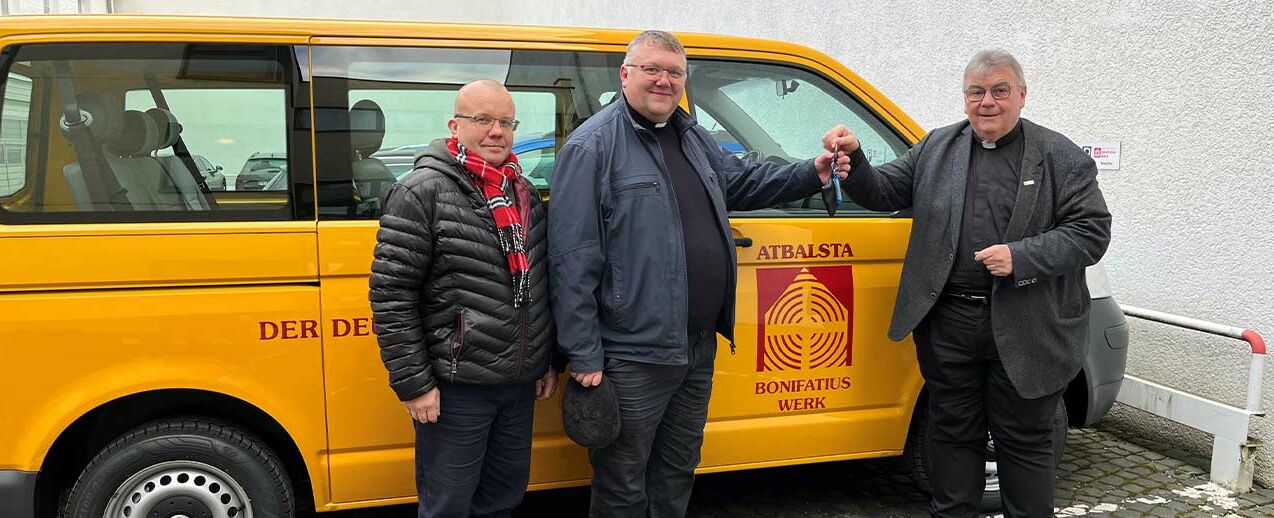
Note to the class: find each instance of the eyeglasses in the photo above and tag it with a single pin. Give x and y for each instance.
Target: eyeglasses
(484, 121)
(999, 92)
(654, 71)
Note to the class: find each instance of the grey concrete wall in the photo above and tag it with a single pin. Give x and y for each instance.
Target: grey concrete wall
(1187, 88)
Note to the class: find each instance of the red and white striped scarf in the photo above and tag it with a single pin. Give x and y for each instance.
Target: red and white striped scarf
(494, 182)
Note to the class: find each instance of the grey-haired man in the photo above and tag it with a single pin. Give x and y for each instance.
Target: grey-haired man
(1006, 216)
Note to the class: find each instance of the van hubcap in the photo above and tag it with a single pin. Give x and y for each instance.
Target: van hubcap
(179, 489)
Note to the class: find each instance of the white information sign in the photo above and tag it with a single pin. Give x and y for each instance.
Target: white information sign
(1106, 154)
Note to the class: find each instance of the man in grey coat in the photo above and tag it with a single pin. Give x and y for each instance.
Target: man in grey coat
(1006, 216)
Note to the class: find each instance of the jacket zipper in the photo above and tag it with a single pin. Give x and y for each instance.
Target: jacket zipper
(521, 337)
(639, 185)
(733, 273)
(455, 358)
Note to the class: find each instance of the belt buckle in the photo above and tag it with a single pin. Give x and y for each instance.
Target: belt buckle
(966, 296)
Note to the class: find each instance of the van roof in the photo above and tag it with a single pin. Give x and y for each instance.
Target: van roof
(313, 27)
(231, 29)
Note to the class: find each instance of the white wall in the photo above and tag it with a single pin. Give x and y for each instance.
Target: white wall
(1187, 87)
(54, 6)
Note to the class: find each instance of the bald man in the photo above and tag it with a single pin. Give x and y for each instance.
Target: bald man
(459, 293)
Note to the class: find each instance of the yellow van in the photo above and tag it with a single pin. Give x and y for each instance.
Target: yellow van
(187, 214)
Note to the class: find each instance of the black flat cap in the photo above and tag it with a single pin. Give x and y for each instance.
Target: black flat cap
(590, 415)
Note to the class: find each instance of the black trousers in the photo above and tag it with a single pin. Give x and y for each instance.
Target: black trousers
(476, 460)
(649, 470)
(969, 394)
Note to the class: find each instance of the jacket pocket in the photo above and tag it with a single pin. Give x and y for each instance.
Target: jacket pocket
(614, 294)
(457, 345)
(643, 185)
(1071, 293)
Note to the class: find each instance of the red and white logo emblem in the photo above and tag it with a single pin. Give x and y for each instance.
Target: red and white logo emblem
(806, 318)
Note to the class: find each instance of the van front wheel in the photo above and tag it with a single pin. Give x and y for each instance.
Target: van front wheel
(189, 467)
(913, 455)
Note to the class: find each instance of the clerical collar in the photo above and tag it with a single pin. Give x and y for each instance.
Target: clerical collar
(644, 122)
(1005, 140)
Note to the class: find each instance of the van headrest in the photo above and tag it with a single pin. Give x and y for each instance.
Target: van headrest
(366, 127)
(138, 136)
(168, 130)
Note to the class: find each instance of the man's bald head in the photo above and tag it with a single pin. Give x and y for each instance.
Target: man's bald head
(484, 120)
(478, 91)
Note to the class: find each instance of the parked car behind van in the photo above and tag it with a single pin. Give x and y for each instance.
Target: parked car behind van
(164, 344)
(259, 169)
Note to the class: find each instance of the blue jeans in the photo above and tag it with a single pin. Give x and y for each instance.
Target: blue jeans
(476, 460)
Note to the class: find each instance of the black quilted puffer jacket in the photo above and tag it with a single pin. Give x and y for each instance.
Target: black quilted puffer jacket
(441, 292)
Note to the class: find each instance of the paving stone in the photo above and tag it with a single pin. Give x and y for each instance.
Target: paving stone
(1123, 462)
(1091, 472)
(1258, 497)
(1139, 506)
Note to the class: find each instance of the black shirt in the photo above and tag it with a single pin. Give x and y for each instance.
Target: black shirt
(707, 259)
(989, 196)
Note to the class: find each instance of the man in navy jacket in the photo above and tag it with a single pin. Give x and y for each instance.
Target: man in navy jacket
(643, 270)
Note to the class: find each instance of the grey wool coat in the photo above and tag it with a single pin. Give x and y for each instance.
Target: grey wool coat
(1059, 226)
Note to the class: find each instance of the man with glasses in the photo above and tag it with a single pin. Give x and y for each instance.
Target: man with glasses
(459, 292)
(644, 270)
(1006, 216)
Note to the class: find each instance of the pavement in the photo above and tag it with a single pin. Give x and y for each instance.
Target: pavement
(1103, 473)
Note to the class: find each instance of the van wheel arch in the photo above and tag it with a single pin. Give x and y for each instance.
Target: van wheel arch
(94, 430)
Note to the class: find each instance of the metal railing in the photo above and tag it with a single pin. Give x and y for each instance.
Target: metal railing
(1233, 458)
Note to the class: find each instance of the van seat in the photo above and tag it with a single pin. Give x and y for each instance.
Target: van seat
(177, 176)
(128, 137)
(367, 132)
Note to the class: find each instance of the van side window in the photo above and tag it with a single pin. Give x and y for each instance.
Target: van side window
(131, 132)
(237, 153)
(779, 113)
(13, 133)
(379, 107)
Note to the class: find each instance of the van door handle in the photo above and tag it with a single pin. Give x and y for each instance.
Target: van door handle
(743, 242)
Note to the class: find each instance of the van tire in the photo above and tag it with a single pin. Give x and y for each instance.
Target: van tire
(913, 453)
(188, 464)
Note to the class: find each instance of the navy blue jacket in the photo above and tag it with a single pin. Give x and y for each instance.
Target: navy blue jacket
(618, 268)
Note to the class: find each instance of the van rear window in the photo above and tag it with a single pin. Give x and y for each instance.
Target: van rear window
(119, 132)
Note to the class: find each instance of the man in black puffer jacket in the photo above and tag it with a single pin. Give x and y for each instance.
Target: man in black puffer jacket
(459, 292)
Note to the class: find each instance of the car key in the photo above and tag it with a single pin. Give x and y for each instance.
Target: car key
(840, 198)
